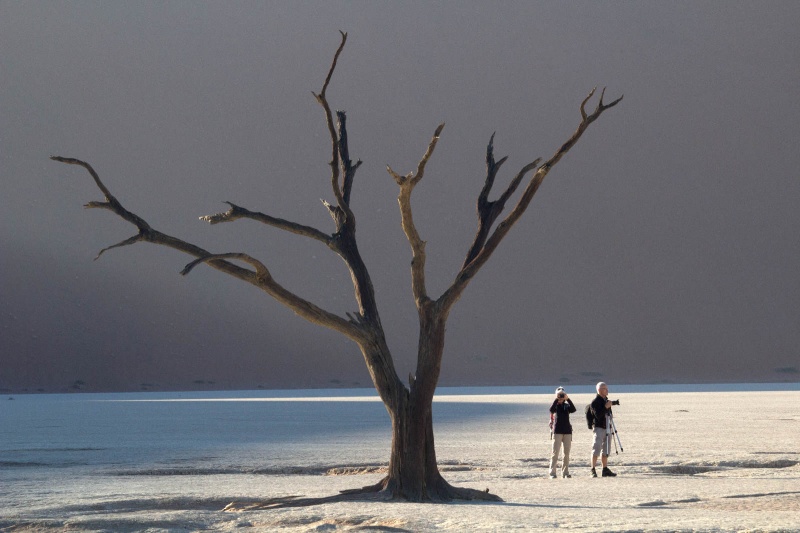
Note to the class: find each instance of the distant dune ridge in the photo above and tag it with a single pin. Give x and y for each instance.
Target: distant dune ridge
(71, 353)
(249, 372)
(124, 372)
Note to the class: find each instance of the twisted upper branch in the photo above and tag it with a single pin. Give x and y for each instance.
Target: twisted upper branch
(260, 277)
(488, 211)
(485, 241)
(341, 213)
(407, 184)
(480, 255)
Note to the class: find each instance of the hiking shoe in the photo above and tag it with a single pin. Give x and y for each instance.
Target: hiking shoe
(566, 476)
(608, 473)
(552, 476)
(594, 472)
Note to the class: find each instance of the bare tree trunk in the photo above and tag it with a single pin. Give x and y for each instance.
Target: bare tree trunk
(413, 469)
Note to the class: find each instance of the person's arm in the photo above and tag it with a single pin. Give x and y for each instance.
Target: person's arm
(599, 408)
(572, 407)
(554, 406)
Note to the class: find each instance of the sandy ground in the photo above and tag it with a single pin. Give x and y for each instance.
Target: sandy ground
(708, 461)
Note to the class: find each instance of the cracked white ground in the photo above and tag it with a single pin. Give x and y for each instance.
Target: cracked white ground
(716, 461)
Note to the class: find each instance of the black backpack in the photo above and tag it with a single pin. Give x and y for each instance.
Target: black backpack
(589, 416)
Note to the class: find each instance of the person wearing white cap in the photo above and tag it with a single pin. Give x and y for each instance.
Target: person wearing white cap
(600, 408)
(562, 431)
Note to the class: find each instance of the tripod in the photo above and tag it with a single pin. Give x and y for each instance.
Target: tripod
(611, 432)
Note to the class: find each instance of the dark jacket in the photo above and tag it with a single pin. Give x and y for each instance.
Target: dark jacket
(599, 411)
(562, 411)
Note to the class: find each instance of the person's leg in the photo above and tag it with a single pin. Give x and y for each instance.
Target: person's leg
(606, 452)
(567, 441)
(598, 436)
(556, 448)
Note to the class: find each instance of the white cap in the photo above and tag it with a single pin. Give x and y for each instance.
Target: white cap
(560, 389)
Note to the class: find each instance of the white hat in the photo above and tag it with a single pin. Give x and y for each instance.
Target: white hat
(560, 389)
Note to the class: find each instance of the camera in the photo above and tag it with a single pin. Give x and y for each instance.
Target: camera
(614, 402)
(562, 395)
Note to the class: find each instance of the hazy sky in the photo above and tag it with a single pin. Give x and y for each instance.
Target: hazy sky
(664, 247)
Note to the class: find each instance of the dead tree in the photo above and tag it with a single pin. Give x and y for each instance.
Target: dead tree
(413, 473)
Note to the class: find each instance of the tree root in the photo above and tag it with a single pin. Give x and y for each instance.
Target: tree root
(445, 492)
(383, 491)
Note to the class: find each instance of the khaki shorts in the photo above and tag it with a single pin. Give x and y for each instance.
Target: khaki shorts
(600, 443)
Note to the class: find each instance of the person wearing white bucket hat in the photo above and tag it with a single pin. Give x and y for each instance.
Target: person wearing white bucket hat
(562, 432)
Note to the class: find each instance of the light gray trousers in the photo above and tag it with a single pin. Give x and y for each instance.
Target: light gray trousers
(560, 439)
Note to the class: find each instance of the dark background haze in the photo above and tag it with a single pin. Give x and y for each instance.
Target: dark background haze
(663, 248)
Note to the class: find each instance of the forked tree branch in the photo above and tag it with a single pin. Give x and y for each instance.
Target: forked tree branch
(343, 241)
(407, 184)
(343, 210)
(488, 211)
(339, 149)
(303, 308)
(260, 278)
(111, 202)
(482, 254)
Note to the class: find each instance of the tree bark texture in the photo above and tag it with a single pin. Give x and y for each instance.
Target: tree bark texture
(413, 473)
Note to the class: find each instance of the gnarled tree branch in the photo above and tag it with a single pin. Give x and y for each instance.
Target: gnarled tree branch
(472, 266)
(407, 184)
(343, 210)
(488, 211)
(111, 203)
(262, 273)
(260, 278)
(375, 350)
(236, 212)
(348, 168)
(300, 306)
